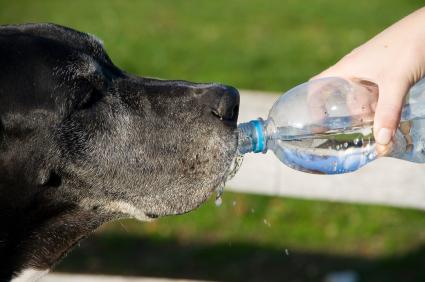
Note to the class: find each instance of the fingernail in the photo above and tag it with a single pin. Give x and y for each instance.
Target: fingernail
(384, 136)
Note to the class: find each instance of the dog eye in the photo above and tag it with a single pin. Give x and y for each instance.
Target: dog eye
(91, 99)
(53, 180)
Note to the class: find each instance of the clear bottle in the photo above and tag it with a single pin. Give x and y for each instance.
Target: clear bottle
(325, 126)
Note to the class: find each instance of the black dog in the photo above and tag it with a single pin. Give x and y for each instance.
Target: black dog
(83, 143)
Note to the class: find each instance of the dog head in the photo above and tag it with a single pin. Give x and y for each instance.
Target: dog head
(155, 146)
(78, 132)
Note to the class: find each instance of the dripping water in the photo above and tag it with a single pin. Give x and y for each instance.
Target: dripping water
(236, 164)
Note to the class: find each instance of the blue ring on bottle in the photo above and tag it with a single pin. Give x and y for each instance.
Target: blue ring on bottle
(259, 145)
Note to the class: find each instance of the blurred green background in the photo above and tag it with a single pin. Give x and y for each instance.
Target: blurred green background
(264, 45)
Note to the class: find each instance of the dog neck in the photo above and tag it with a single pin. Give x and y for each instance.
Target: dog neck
(35, 237)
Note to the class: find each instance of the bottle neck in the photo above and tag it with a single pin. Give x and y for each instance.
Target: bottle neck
(252, 137)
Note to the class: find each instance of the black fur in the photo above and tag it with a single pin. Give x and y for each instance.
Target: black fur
(82, 143)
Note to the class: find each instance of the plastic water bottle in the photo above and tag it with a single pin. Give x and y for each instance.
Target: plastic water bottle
(325, 126)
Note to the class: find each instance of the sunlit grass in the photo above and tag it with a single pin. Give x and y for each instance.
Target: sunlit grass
(317, 226)
(258, 238)
(266, 45)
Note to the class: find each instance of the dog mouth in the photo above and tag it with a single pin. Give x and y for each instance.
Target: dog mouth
(229, 174)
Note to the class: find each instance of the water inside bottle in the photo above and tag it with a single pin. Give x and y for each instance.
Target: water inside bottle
(346, 150)
(328, 152)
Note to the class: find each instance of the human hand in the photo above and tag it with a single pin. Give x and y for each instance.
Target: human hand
(394, 60)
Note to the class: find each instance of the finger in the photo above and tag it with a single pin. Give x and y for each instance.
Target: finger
(384, 150)
(388, 109)
(362, 100)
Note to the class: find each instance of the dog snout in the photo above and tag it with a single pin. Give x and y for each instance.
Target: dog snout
(222, 102)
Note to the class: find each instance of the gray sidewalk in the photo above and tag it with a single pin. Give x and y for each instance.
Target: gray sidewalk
(384, 181)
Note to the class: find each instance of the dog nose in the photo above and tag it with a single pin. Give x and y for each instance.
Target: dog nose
(222, 101)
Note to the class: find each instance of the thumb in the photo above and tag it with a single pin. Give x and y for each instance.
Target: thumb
(388, 110)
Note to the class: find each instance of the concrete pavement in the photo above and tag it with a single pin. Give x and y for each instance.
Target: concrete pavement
(385, 181)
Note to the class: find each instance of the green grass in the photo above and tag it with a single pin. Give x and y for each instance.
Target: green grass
(318, 226)
(258, 238)
(265, 45)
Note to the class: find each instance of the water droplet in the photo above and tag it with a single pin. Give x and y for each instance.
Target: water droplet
(219, 193)
(345, 144)
(265, 221)
(218, 201)
(356, 141)
(287, 252)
